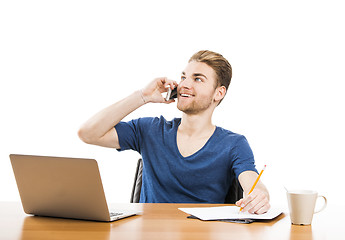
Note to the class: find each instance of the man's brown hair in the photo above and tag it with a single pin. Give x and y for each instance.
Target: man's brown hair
(218, 63)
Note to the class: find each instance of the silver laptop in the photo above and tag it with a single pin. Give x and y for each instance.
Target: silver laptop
(62, 187)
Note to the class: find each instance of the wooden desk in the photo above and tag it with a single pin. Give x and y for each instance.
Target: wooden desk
(162, 221)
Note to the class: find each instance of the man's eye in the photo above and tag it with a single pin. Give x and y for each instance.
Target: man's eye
(198, 79)
(183, 78)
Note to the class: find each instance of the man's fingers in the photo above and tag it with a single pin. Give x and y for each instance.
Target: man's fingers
(167, 83)
(239, 202)
(263, 209)
(249, 203)
(260, 206)
(256, 202)
(170, 101)
(154, 90)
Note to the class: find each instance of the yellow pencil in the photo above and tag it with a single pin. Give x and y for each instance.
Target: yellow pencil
(256, 181)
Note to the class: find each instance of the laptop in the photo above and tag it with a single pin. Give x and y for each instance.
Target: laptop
(62, 187)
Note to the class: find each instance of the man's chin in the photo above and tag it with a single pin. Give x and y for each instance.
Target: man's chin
(193, 108)
(187, 110)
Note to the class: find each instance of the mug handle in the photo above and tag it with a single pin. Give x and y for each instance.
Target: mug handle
(324, 205)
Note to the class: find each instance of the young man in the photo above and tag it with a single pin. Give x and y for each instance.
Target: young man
(188, 159)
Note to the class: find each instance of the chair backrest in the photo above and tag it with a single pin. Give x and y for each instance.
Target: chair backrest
(136, 190)
(234, 194)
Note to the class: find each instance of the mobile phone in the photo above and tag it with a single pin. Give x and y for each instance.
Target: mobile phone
(171, 94)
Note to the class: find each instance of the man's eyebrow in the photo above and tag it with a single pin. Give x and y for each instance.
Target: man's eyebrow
(199, 74)
(196, 74)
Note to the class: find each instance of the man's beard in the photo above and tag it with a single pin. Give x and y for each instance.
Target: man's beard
(195, 107)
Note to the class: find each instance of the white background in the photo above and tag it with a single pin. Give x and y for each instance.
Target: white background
(62, 61)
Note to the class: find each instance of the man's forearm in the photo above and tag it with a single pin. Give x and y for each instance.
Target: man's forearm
(98, 125)
(247, 180)
(99, 129)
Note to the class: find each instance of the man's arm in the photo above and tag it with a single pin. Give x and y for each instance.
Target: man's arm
(258, 200)
(99, 129)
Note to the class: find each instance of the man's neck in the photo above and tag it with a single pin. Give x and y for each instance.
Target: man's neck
(196, 124)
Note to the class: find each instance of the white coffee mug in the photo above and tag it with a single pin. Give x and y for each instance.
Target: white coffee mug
(302, 206)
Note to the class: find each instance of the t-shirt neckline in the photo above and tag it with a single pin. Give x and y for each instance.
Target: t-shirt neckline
(198, 151)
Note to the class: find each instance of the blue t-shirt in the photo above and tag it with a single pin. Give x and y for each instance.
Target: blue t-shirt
(203, 177)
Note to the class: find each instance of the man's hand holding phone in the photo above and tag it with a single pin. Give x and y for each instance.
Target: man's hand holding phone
(154, 90)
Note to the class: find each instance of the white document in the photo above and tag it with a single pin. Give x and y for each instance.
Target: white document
(228, 212)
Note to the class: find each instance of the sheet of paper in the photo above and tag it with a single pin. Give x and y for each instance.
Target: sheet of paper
(228, 212)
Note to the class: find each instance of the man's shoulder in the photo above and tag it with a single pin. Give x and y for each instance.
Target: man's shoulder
(158, 121)
(227, 133)
(231, 137)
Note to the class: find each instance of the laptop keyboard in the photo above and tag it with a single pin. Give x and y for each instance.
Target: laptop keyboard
(114, 214)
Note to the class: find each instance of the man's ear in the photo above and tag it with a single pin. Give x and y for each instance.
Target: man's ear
(219, 93)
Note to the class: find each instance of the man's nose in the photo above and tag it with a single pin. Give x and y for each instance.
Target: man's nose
(186, 83)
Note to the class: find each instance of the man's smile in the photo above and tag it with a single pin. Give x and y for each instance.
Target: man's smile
(186, 95)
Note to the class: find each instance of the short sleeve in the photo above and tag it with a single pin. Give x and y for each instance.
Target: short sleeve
(243, 158)
(129, 135)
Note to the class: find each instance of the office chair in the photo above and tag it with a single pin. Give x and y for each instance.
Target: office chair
(136, 190)
(234, 194)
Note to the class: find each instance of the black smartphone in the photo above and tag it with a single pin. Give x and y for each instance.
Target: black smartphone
(171, 94)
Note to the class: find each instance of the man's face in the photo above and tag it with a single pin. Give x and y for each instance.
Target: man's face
(197, 88)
